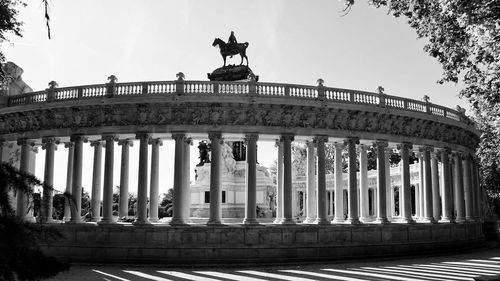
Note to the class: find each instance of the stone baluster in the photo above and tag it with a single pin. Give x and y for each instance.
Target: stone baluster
(279, 183)
(177, 215)
(95, 203)
(405, 205)
(353, 185)
(428, 202)
(107, 202)
(467, 188)
(142, 180)
(153, 184)
(436, 199)
(459, 187)
(311, 184)
(447, 199)
(49, 144)
(339, 184)
(215, 178)
(69, 179)
(251, 181)
(363, 183)
(21, 197)
(321, 195)
(380, 146)
(124, 178)
(76, 190)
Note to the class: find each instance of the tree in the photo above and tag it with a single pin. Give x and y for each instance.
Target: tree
(21, 257)
(464, 37)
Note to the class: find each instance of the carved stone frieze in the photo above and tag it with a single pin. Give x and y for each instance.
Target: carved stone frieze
(76, 118)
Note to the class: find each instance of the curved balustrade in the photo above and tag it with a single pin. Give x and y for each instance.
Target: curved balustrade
(262, 89)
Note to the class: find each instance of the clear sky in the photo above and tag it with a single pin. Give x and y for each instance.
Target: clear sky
(291, 41)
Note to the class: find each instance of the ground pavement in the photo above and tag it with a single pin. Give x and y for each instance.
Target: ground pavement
(480, 264)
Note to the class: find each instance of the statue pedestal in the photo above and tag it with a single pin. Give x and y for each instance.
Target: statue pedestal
(233, 192)
(231, 73)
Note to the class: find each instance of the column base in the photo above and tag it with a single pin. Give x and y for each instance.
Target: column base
(322, 221)
(141, 222)
(95, 219)
(408, 220)
(382, 221)
(428, 220)
(353, 221)
(106, 221)
(469, 219)
(74, 221)
(178, 221)
(214, 222)
(309, 220)
(249, 221)
(153, 220)
(66, 219)
(460, 220)
(277, 220)
(447, 220)
(338, 220)
(287, 221)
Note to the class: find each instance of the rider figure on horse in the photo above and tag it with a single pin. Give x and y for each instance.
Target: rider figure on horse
(231, 42)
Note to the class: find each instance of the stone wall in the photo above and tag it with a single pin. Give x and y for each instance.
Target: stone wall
(164, 244)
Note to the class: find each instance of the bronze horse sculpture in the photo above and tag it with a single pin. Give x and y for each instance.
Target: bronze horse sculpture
(231, 49)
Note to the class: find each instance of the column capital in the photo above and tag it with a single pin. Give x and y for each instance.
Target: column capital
(351, 141)
(318, 139)
(339, 145)
(278, 143)
(426, 148)
(143, 136)
(251, 137)
(158, 142)
(77, 138)
(457, 154)
(95, 143)
(46, 141)
(445, 150)
(69, 144)
(214, 135)
(178, 135)
(128, 142)
(109, 137)
(381, 143)
(405, 145)
(188, 141)
(362, 147)
(23, 141)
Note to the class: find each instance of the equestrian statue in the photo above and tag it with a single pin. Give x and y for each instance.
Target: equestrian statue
(232, 47)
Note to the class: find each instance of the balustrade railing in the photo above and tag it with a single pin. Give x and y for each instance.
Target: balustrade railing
(323, 94)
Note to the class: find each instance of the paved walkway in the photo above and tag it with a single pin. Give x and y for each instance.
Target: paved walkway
(483, 264)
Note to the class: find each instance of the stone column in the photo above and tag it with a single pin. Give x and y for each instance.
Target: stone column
(353, 185)
(21, 197)
(69, 179)
(215, 178)
(436, 200)
(124, 172)
(49, 144)
(467, 188)
(405, 205)
(389, 192)
(380, 146)
(428, 215)
(459, 187)
(177, 215)
(279, 183)
(76, 190)
(107, 202)
(421, 187)
(321, 195)
(251, 181)
(363, 183)
(153, 184)
(142, 180)
(447, 196)
(95, 203)
(186, 180)
(339, 184)
(311, 183)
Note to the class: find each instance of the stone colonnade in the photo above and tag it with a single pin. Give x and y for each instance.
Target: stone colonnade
(452, 196)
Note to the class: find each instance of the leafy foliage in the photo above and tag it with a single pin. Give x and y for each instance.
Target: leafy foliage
(21, 257)
(8, 20)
